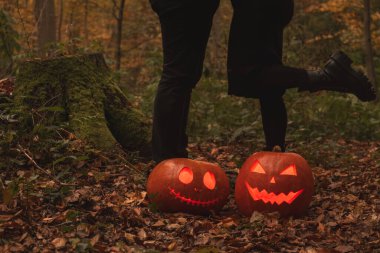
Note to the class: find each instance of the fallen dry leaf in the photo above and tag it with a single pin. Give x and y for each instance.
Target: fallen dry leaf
(142, 235)
(59, 243)
(158, 223)
(256, 217)
(171, 246)
(130, 238)
(344, 248)
(94, 240)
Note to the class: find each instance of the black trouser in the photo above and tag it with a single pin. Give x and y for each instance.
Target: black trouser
(255, 51)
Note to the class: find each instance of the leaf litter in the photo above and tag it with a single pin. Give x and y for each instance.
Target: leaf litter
(107, 210)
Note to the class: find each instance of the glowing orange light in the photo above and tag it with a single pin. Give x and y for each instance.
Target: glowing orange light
(256, 167)
(272, 181)
(190, 201)
(209, 180)
(290, 171)
(186, 175)
(270, 197)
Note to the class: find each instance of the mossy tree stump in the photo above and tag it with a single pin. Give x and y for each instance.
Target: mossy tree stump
(80, 90)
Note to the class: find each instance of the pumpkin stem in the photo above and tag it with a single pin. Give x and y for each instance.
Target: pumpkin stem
(277, 149)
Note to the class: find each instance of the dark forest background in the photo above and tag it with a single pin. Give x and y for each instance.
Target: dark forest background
(128, 33)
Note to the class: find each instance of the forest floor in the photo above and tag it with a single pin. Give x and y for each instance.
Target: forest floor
(107, 209)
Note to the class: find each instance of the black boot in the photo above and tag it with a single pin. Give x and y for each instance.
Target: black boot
(338, 75)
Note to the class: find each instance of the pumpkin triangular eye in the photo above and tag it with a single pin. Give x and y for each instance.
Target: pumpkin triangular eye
(256, 167)
(209, 180)
(290, 171)
(186, 175)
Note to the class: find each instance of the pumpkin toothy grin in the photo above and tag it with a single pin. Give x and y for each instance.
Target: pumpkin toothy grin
(189, 201)
(272, 197)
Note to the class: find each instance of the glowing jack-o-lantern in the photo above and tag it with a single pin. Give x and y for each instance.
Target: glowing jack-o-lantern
(274, 182)
(184, 185)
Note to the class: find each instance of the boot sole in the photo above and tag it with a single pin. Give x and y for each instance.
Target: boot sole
(366, 91)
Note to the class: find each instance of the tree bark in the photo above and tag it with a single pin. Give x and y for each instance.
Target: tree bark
(86, 21)
(60, 20)
(368, 43)
(44, 11)
(217, 40)
(119, 15)
(80, 90)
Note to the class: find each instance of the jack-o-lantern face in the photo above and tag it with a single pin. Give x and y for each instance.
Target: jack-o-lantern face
(272, 181)
(184, 185)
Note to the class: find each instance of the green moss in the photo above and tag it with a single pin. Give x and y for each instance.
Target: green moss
(83, 88)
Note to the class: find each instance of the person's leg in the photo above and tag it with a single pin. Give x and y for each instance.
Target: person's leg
(337, 75)
(255, 50)
(255, 56)
(274, 119)
(184, 140)
(255, 66)
(185, 27)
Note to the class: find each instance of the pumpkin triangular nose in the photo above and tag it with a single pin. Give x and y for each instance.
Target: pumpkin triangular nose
(272, 181)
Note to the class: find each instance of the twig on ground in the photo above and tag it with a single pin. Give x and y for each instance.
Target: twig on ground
(129, 165)
(47, 173)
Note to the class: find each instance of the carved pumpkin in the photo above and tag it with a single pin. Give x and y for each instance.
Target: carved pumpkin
(184, 185)
(274, 181)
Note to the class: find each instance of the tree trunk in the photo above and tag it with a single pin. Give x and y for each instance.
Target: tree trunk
(216, 55)
(86, 21)
(60, 20)
(368, 42)
(119, 15)
(44, 11)
(79, 90)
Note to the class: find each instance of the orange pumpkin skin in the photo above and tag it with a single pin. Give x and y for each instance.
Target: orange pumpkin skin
(274, 182)
(205, 191)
